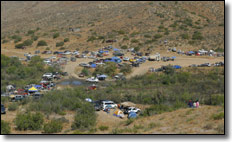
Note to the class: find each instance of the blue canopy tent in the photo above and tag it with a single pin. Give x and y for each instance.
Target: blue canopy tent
(101, 51)
(191, 52)
(115, 49)
(177, 67)
(132, 115)
(173, 57)
(103, 76)
(93, 65)
(38, 86)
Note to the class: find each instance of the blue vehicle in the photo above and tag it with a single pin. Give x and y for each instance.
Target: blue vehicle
(3, 110)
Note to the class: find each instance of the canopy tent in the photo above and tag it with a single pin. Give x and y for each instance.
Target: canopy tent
(102, 76)
(132, 115)
(101, 51)
(173, 57)
(32, 89)
(38, 86)
(118, 113)
(191, 52)
(115, 49)
(177, 67)
(93, 65)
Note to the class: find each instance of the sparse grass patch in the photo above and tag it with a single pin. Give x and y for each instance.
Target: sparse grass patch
(218, 116)
(129, 121)
(5, 127)
(189, 111)
(220, 128)
(208, 126)
(153, 125)
(103, 128)
(13, 106)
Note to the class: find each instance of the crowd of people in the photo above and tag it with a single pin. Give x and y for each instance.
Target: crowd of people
(193, 104)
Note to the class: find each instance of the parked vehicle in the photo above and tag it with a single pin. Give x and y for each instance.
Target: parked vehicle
(108, 104)
(3, 110)
(193, 65)
(205, 65)
(15, 98)
(81, 75)
(84, 65)
(92, 79)
(127, 110)
(126, 59)
(118, 54)
(48, 75)
(37, 96)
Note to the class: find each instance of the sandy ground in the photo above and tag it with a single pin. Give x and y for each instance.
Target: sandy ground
(74, 69)
(183, 60)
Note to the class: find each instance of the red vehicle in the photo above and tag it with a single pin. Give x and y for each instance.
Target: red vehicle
(92, 87)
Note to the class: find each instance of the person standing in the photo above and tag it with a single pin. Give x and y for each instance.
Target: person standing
(190, 103)
(194, 105)
(197, 104)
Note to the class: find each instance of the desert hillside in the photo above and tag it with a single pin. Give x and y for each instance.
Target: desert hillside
(143, 24)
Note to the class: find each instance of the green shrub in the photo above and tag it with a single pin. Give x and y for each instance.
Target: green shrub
(109, 69)
(56, 35)
(42, 43)
(19, 46)
(147, 36)
(103, 128)
(91, 38)
(217, 99)
(157, 36)
(101, 37)
(121, 32)
(219, 49)
(53, 126)
(156, 109)
(222, 24)
(30, 32)
(12, 106)
(62, 48)
(85, 118)
(66, 40)
(5, 127)
(5, 41)
(124, 47)
(126, 69)
(197, 35)
(29, 121)
(47, 48)
(134, 41)
(129, 121)
(58, 44)
(125, 38)
(34, 38)
(85, 71)
(218, 116)
(185, 36)
(136, 49)
(28, 42)
(191, 42)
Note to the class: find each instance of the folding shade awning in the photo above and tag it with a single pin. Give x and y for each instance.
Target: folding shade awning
(33, 89)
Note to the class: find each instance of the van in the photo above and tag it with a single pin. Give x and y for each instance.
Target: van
(108, 104)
